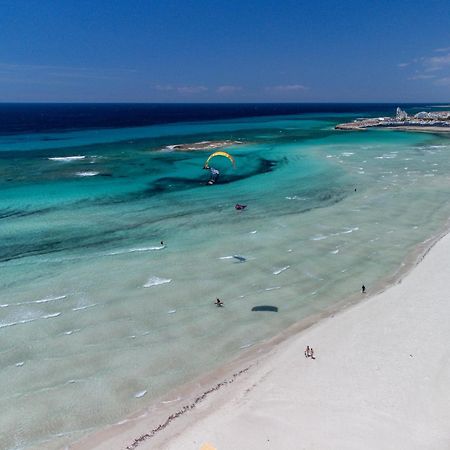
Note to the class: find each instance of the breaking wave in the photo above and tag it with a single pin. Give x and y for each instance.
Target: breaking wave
(278, 271)
(67, 158)
(156, 281)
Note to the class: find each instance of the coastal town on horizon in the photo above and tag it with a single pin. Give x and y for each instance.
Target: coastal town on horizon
(421, 121)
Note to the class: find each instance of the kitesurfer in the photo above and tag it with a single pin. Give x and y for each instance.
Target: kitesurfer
(214, 174)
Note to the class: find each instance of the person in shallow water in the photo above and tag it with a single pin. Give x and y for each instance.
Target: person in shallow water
(238, 206)
(214, 174)
(218, 302)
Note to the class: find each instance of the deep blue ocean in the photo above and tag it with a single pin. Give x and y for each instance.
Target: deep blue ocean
(37, 117)
(113, 247)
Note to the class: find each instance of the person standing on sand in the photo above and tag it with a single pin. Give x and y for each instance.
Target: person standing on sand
(312, 354)
(307, 352)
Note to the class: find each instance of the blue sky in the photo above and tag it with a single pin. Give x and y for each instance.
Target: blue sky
(225, 50)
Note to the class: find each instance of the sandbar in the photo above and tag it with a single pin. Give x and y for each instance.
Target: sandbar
(203, 145)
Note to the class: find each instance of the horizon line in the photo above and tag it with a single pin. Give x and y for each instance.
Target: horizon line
(221, 103)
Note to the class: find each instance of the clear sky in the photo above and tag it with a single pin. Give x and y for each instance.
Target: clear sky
(225, 50)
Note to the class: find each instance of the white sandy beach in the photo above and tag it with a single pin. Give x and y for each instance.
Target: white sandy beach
(380, 380)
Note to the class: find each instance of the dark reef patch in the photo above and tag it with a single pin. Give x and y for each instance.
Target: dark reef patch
(171, 184)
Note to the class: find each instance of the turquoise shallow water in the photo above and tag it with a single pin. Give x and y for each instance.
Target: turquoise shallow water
(97, 318)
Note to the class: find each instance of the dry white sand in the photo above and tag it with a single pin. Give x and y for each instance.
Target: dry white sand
(380, 380)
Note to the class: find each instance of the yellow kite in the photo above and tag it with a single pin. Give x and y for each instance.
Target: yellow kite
(220, 153)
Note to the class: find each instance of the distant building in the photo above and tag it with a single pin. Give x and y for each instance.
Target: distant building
(440, 115)
(400, 114)
(422, 115)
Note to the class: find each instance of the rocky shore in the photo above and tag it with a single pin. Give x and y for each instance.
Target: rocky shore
(422, 121)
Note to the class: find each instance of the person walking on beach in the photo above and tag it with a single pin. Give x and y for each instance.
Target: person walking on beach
(363, 289)
(312, 353)
(307, 352)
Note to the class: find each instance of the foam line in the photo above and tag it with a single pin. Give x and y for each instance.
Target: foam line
(86, 174)
(67, 158)
(156, 281)
(41, 300)
(278, 271)
(136, 249)
(80, 308)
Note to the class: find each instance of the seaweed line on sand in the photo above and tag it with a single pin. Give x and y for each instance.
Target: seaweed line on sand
(184, 409)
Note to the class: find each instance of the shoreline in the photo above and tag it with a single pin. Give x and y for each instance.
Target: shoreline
(148, 427)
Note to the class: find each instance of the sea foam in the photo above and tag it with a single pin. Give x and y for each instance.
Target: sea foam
(19, 322)
(278, 271)
(171, 401)
(87, 174)
(67, 158)
(80, 308)
(30, 302)
(50, 316)
(134, 250)
(156, 281)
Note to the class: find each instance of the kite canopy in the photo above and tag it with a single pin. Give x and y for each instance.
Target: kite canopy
(220, 153)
